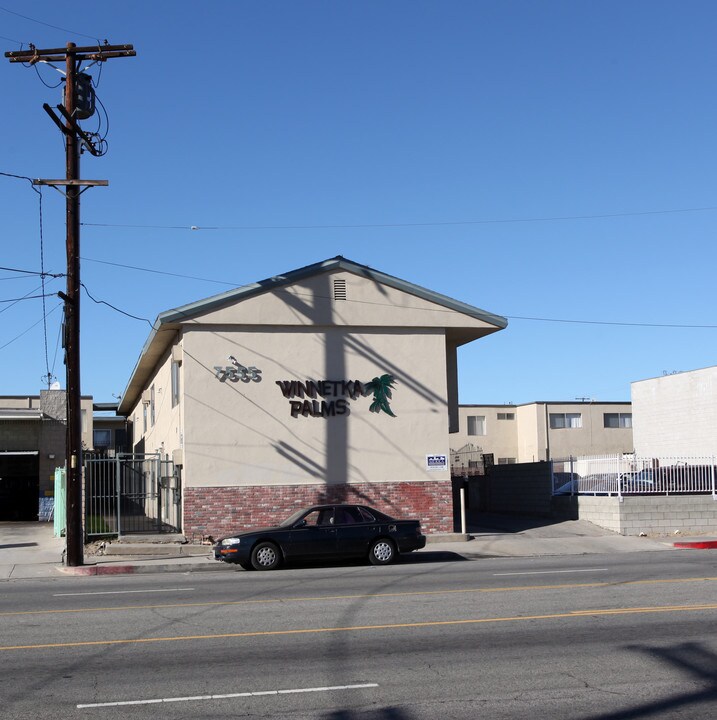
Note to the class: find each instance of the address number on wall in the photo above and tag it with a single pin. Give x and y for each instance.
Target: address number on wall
(237, 372)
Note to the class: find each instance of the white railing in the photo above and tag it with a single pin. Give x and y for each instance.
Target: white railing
(628, 474)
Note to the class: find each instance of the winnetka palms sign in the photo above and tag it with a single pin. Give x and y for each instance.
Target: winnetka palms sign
(332, 398)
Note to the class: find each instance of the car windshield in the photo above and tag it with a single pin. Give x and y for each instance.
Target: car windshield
(292, 518)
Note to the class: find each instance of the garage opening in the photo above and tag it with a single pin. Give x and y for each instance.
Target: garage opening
(19, 485)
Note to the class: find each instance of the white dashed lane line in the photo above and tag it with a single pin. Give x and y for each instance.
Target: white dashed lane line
(122, 592)
(551, 572)
(228, 696)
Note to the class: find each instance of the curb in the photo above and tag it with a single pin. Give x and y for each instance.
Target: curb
(85, 570)
(436, 538)
(697, 545)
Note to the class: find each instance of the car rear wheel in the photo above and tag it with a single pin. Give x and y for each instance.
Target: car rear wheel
(382, 552)
(265, 556)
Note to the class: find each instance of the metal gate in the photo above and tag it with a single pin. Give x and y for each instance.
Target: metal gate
(131, 493)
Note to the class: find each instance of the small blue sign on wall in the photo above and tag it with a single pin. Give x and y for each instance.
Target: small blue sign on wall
(436, 462)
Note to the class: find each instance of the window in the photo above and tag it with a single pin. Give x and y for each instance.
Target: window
(151, 406)
(175, 383)
(617, 420)
(102, 438)
(366, 515)
(506, 461)
(144, 417)
(347, 516)
(560, 421)
(316, 518)
(506, 416)
(476, 424)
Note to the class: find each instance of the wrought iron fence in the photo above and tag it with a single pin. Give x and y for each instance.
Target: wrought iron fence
(467, 461)
(131, 493)
(628, 474)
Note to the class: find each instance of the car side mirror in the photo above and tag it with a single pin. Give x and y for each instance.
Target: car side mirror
(300, 524)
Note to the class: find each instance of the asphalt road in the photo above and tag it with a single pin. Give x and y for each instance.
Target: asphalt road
(579, 637)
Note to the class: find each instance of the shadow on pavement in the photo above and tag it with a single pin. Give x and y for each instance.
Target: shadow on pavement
(424, 557)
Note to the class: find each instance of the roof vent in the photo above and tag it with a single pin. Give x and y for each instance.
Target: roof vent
(339, 289)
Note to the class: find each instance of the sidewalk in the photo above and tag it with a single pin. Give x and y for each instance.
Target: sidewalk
(29, 550)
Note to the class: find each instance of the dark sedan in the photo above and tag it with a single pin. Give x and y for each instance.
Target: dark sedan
(323, 532)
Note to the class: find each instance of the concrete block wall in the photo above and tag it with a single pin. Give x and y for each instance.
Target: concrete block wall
(220, 511)
(651, 514)
(663, 515)
(601, 511)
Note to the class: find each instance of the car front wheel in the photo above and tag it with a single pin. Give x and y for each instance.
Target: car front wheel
(265, 556)
(382, 552)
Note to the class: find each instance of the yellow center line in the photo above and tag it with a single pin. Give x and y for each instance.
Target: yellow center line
(357, 628)
(362, 596)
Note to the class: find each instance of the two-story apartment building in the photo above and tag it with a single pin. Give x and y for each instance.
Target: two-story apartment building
(330, 382)
(540, 430)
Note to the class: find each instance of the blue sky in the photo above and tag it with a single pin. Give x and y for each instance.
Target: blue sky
(550, 162)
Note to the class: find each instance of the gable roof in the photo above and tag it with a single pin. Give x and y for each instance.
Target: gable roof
(169, 321)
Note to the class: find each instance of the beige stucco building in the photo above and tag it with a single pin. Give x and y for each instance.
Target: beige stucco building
(540, 431)
(331, 382)
(676, 414)
(32, 446)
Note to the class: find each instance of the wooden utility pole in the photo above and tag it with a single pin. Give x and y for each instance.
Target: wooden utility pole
(75, 137)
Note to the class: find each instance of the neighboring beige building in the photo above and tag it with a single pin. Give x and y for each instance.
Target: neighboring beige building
(540, 431)
(331, 382)
(32, 446)
(676, 415)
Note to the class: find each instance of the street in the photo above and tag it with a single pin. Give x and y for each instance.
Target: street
(585, 636)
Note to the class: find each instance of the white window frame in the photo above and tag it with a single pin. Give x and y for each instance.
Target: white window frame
(475, 425)
(151, 406)
(175, 383)
(565, 421)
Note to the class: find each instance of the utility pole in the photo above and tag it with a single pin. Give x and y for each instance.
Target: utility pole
(72, 110)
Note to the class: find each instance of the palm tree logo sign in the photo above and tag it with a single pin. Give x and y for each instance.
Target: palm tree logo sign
(381, 388)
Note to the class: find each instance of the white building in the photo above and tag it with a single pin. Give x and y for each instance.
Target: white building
(676, 415)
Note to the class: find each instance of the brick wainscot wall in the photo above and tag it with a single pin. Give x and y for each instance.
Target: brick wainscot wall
(220, 511)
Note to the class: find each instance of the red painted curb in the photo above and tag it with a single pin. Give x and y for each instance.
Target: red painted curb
(99, 570)
(703, 545)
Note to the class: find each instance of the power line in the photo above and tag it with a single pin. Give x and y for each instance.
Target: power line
(24, 332)
(24, 297)
(104, 302)
(20, 177)
(42, 262)
(54, 27)
(158, 272)
(30, 272)
(57, 346)
(44, 307)
(17, 42)
(606, 322)
(441, 223)
(510, 317)
(28, 297)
